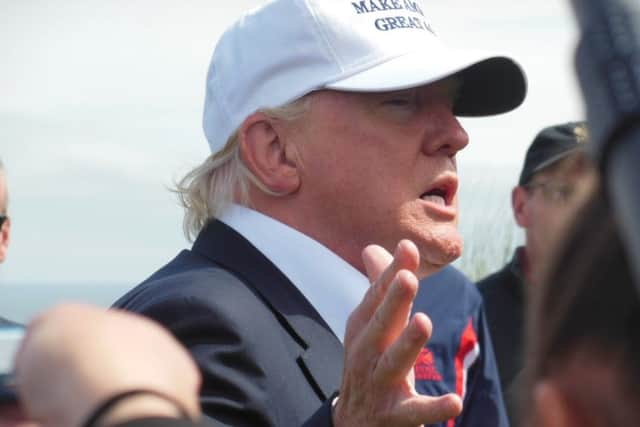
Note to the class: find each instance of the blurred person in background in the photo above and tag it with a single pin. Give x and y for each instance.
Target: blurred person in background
(5, 221)
(554, 169)
(583, 368)
(5, 225)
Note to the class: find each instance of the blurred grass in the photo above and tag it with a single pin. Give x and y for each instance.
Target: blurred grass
(487, 226)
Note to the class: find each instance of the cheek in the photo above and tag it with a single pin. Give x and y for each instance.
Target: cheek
(539, 215)
(550, 219)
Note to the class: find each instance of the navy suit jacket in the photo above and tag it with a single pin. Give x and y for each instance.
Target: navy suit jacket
(266, 356)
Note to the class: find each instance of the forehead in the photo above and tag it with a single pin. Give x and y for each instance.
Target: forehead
(571, 167)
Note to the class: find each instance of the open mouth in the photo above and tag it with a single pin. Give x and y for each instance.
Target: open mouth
(437, 196)
(442, 191)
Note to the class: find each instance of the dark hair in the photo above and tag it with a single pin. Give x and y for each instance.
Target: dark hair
(589, 305)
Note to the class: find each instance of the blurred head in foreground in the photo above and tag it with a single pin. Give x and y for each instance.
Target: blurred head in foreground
(585, 330)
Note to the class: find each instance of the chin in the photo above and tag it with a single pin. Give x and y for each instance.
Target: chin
(441, 249)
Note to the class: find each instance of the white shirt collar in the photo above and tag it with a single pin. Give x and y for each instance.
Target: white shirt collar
(332, 286)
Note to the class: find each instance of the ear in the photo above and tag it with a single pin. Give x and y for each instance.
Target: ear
(5, 234)
(550, 406)
(268, 154)
(519, 205)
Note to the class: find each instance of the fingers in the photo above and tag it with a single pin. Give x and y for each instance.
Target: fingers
(382, 269)
(400, 359)
(391, 317)
(381, 347)
(401, 356)
(376, 259)
(421, 409)
(378, 262)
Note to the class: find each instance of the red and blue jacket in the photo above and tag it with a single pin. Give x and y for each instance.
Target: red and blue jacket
(459, 357)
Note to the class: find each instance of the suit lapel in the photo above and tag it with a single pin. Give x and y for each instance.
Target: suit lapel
(322, 357)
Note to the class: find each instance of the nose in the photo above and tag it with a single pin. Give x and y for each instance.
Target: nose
(445, 136)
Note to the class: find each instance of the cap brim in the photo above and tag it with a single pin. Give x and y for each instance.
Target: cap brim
(556, 158)
(491, 84)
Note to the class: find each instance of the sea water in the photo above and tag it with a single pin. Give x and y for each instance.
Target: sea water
(21, 302)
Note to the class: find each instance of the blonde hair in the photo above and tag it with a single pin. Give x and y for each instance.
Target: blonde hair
(223, 178)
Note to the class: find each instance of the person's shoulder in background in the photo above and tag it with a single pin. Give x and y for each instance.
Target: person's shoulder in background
(448, 294)
(504, 300)
(505, 283)
(459, 357)
(4, 323)
(487, 283)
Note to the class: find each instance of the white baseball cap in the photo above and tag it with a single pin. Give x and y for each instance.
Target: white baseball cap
(287, 48)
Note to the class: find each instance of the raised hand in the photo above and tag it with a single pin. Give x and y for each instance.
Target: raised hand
(382, 343)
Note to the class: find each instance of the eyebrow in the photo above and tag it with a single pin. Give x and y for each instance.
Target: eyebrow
(408, 91)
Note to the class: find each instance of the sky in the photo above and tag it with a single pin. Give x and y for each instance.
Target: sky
(100, 112)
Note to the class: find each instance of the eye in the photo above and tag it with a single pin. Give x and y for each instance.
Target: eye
(399, 99)
(398, 102)
(564, 192)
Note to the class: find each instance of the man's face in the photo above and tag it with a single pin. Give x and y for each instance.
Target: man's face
(380, 167)
(6, 224)
(543, 207)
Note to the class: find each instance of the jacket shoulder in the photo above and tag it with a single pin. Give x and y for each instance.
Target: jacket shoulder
(190, 284)
(449, 285)
(493, 280)
(245, 354)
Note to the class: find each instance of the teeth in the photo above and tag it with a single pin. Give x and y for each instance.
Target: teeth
(438, 200)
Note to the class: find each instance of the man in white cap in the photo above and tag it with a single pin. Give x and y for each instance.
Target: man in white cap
(332, 126)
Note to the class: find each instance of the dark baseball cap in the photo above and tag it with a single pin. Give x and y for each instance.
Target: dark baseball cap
(551, 145)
